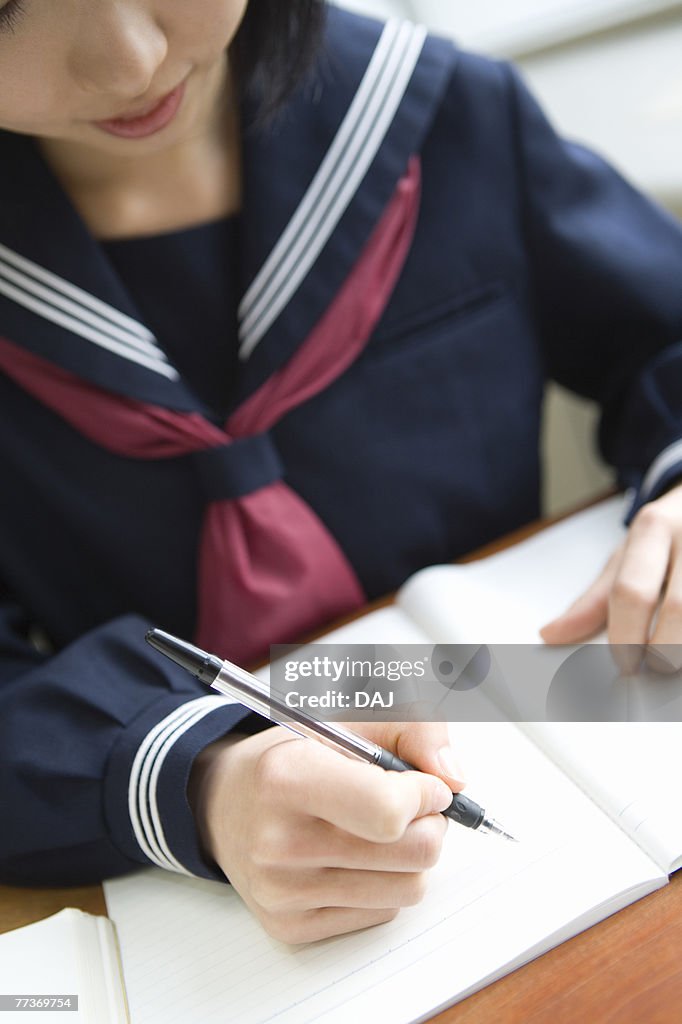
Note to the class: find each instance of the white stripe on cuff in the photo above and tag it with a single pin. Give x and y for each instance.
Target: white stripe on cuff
(144, 776)
(666, 460)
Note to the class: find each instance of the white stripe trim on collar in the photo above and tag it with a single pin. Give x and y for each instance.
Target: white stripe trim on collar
(26, 284)
(77, 327)
(354, 148)
(306, 208)
(144, 776)
(20, 281)
(83, 298)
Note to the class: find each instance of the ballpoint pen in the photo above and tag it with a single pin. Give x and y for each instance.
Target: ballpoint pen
(246, 688)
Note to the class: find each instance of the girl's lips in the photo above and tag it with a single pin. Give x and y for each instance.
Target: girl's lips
(150, 122)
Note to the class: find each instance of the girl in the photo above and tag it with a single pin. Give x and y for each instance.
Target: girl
(285, 334)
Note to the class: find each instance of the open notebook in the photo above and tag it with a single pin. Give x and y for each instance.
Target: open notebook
(595, 835)
(68, 963)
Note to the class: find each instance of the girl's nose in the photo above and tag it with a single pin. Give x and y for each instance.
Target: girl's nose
(118, 50)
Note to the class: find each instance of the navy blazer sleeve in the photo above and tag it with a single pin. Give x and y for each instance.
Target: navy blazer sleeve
(96, 746)
(607, 270)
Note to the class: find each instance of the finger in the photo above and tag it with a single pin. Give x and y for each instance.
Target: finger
(313, 925)
(426, 745)
(588, 614)
(286, 891)
(637, 589)
(664, 653)
(321, 844)
(358, 798)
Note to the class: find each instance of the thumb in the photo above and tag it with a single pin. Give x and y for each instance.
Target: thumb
(589, 613)
(426, 745)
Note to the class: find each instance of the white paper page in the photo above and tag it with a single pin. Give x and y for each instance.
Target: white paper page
(504, 600)
(390, 627)
(509, 596)
(68, 954)
(633, 770)
(192, 951)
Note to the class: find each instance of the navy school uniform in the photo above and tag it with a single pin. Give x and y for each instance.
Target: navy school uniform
(531, 259)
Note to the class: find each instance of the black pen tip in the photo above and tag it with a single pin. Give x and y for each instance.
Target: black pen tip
(199, 663)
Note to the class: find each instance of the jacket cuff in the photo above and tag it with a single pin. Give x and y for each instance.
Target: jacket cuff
(145, 790)
(663, 473)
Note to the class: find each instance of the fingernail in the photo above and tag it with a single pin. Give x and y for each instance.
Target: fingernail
(449, 765)
(441, 797)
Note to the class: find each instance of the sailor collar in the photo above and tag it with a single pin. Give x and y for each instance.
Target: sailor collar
(315, 184)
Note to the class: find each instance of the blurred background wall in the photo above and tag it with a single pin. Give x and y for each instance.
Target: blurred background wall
(609, 74)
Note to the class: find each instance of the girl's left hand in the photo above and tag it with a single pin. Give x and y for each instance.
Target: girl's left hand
(643, 577)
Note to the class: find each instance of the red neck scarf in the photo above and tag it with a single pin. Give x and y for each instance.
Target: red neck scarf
(269, 570)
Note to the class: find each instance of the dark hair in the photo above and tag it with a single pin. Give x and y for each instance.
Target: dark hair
(274, 47)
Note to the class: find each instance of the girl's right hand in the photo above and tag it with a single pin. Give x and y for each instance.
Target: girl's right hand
(315, 843)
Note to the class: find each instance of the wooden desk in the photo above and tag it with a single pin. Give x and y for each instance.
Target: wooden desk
(625, 970)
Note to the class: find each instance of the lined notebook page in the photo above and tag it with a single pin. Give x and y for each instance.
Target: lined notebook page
(633, 770)
(192, 951)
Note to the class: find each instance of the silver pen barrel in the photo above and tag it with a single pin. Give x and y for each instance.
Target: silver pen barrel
(259, 697)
